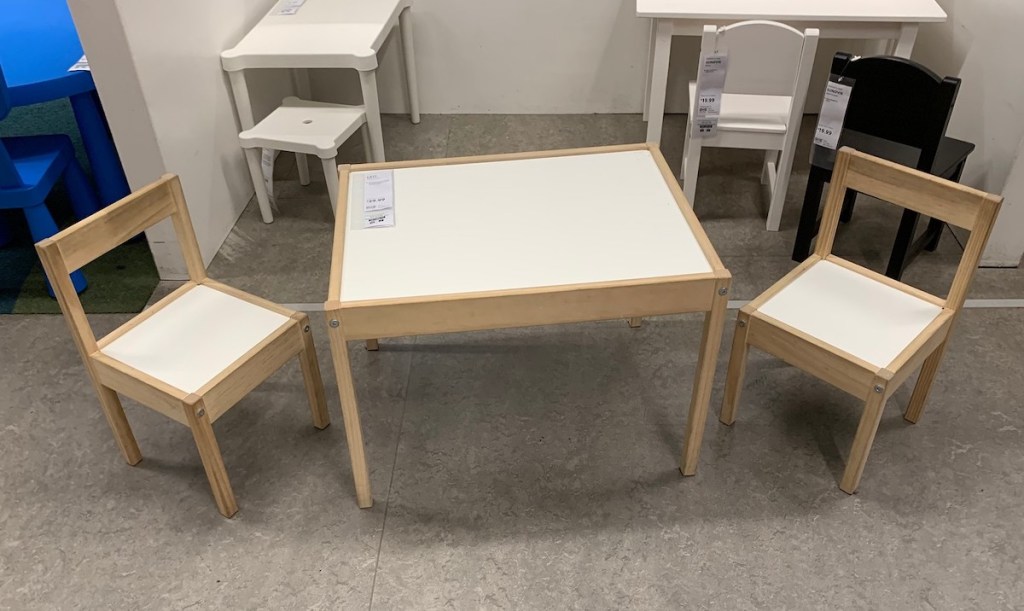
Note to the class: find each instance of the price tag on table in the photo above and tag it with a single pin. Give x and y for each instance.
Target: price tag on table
(710, 84)
(290, 7)
(379, 199)
(833, 111)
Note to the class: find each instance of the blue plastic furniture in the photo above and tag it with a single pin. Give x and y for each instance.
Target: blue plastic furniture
(29, 167)
(38, 43)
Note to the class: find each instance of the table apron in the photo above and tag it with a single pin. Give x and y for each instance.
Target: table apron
(854, 30)
(529, 308)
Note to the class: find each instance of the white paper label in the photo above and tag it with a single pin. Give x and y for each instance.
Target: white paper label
(81, 65)
(710, 84)
(290, 7)
(379, 199)
(833, 111)
(267, 165)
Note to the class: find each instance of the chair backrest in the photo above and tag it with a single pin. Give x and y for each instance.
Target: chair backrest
(100, 233)
(935, 197)
(765, 57)
(898, 100)
(8, 174)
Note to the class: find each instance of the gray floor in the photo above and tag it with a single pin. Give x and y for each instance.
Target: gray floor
(529, 468)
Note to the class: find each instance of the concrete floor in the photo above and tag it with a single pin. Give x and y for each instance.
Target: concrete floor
(532, 468)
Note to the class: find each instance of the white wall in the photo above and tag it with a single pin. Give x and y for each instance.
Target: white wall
(157, 70)
(533, 56)
(981, 43)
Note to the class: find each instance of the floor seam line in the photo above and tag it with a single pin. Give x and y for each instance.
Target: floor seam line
(391, 480)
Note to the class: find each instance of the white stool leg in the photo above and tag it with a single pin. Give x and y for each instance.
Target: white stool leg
(368, 82)
(409, 53)
(303, 166)
(364, 132)
(252, 157)
(686, 149)
(331, 176)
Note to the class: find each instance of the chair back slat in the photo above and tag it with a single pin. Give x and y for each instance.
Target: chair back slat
(764, 56)
(949, 202)
(100, 233)
(898, 100)
(922, 192)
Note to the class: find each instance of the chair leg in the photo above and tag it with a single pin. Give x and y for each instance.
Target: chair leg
(311, 375)
(252, 157)
(924, 384)
(865, 437)
(779, 187)
(686, 148)
(302, 164)
(737, 370)
(364, 133)
(209, 453)
(809, 214)
(691, 167)
(82, 195)
(636, 322)
(711, 341)
(372, 345)
(331, 176)
(118, 422)
(41, 225)
(770, 158)
(849, 201)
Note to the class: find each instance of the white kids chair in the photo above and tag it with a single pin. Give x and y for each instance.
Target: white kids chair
(304, 128)
(769, 68)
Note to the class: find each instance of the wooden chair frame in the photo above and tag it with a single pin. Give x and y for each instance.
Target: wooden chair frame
(629, 299)
(90, 238)
(911, 189)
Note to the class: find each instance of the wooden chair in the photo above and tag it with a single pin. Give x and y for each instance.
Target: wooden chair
(898, 110)
(861, 331)
(193, 354)
(769, 69)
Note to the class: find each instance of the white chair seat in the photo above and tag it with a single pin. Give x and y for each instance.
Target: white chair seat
(302, 126)
(859, 315)
(194, 338)
(766, 114)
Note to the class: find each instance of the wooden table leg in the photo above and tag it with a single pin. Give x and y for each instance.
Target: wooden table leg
(350, 412)
(710, 342)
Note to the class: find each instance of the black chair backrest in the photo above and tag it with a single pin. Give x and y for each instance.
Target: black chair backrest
(898, 100)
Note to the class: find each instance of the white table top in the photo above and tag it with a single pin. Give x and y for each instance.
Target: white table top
(916, 11)
(322, 34)
(518, 224)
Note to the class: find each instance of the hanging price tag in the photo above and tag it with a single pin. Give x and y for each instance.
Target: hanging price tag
(710, 84)
(833, 111)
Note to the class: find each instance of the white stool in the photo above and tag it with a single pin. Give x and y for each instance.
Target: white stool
(304, 128)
